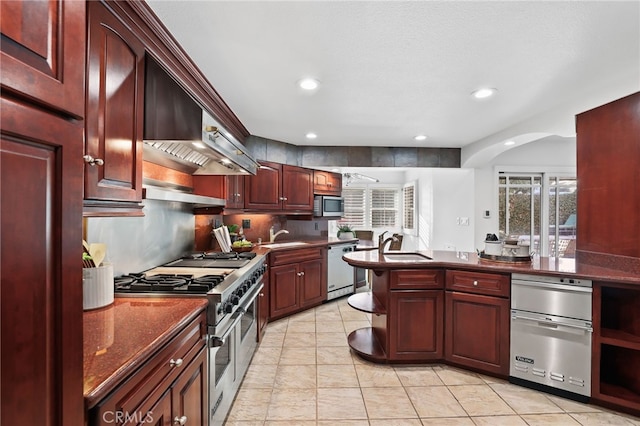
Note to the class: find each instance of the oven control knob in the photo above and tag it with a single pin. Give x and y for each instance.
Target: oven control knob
(238, 293)
(235, 300)
(228, 308)
(248, 284)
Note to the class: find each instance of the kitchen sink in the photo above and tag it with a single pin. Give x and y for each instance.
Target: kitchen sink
(405, 257)
(289, 244)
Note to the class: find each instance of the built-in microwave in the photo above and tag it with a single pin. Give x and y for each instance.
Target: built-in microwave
(326, 206)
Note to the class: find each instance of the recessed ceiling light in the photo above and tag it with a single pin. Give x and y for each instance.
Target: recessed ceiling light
(309, 83)
(311, 135)
(420, 137)
(509, 143)
(483, 93)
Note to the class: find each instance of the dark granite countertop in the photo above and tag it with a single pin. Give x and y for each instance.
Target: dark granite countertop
(119, 338)
(369, 259)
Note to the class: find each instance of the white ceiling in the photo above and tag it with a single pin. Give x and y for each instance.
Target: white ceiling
(390, 70)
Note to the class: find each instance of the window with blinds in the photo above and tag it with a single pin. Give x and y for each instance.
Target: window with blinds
(370, 207)
(384, 207)
(354, 207)
(408, 207)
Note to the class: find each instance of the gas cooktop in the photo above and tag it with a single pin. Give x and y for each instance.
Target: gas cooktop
(213, 260)
(167, 283)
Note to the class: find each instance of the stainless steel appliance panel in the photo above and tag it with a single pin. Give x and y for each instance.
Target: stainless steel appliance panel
(340, 275)
(552, 351)
(551, 296)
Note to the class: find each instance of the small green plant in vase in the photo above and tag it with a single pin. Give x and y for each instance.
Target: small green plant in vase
(345, 232)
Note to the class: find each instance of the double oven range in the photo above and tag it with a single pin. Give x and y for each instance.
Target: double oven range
(232, 283)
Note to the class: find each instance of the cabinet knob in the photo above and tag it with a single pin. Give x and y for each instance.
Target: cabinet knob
(93, 161)
(475, 283)
(176, 363)
(261, 294)
(180, 420)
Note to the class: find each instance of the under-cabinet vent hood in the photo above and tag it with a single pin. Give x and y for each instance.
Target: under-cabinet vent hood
(152, 192)
(180, 135)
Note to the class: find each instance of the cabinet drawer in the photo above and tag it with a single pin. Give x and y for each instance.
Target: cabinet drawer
(416, 279)
(155, 376)
(295, 255)
(479, 283)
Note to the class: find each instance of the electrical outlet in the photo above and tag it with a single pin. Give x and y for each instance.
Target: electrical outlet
(316, 225)
(246, 223)
(464, 221)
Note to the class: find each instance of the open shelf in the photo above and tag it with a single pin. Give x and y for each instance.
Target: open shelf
(620, 313)
(619, 375)
(365, 344)
(366, 302)
(620, 338)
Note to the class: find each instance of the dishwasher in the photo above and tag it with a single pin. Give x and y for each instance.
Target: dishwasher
(551, 332)
(340, 275)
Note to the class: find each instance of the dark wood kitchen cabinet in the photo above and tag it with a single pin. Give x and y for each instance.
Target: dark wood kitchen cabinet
(234, 192)
(607, 153)
(171, 386)
(297, 279)
(41, 146)
(415, 315)
(115, 116)
(42, 53)
(327, 183)
(279, 187)
(407, 321)
(477, 321)
(616, 346)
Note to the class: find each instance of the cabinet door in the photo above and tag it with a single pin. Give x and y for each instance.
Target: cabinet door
(297, 188)
(190, 395)
(313, 289)
(477, 332)
(42, 53)
(114, 122)
(327, 183)
(284, 290)
(263, 191)
(235, 192)
(416, 324)
(41, 283)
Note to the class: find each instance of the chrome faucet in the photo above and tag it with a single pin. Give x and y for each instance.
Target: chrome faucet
(382, 242)
(272, 236)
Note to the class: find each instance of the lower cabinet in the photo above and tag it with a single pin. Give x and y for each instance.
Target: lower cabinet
(477, 324)
(169, 388)
(297, 280)
(416, 324)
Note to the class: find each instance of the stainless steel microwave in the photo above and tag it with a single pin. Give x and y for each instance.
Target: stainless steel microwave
(327, 206)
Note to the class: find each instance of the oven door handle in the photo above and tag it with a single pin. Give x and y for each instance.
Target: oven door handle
(216, 341)
(254, 295)
(549, 322)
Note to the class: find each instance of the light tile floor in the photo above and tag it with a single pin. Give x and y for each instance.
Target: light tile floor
(303, 373)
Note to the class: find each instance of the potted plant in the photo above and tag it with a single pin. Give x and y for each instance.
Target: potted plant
(233, 232)
(345, 232)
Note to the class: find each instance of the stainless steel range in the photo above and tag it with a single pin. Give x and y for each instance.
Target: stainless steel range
(232, 283)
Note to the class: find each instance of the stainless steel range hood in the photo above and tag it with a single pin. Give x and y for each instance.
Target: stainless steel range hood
(180, 135)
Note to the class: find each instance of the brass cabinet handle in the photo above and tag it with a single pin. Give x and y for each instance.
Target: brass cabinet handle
(180, 420)
(176, 363)
(93, 161)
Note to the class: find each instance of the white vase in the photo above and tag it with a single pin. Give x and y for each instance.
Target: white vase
(346, 235)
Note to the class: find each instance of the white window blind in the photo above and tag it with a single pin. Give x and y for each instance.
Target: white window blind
(384, 208)
(354, 207)
(408, 204)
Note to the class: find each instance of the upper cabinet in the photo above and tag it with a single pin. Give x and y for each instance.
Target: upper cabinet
(608, 148)
(327, 183)
(279, 187)
(115, 114)
(42, 53)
